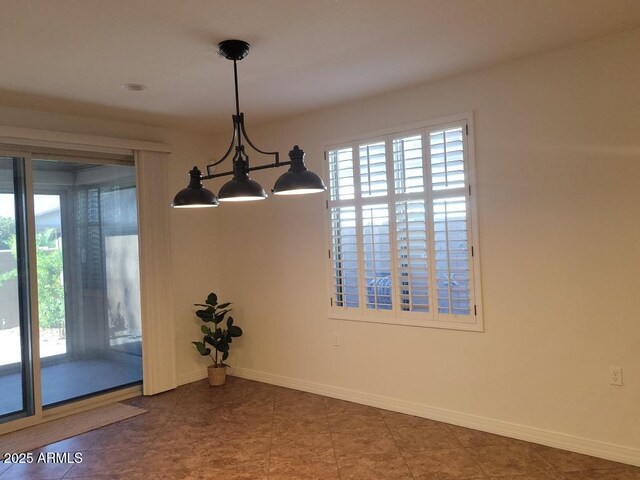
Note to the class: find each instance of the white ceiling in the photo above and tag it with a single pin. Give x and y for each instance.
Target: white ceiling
(72, 56)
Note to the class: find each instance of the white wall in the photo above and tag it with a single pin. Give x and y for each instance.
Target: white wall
(558, 163)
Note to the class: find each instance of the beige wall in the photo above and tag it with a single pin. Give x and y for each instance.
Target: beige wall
(558, 161)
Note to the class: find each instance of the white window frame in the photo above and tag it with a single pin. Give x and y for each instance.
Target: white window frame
(432, 319)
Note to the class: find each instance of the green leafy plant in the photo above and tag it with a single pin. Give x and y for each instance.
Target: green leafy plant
(7, 230)
(216, 338)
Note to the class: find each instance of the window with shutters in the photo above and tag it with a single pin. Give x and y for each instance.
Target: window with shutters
(403, 230)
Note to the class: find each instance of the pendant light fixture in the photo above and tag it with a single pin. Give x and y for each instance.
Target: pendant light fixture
(241, 188)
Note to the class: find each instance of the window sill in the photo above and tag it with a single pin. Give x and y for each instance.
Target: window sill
(457, 323)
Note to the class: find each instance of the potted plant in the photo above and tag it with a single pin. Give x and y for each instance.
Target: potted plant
(218, 336)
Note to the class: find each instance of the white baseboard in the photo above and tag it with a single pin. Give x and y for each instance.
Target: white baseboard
(618, 453)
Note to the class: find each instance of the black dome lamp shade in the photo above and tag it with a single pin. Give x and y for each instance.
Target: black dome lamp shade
(298, 180)
(195, 195)
(241, 188)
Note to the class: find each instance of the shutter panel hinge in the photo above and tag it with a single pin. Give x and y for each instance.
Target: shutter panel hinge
(329, 253)
(327, 203)
(466, 128)
(325, 155)
(469, 190)
(472, 250)
(331, 301)
(475, 311)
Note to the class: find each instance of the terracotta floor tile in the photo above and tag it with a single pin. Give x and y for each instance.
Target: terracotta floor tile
(448, 464)
(509, 460)
(412, 439)
(239, 413)
(627, 473)
(234, 470)
(78, 443)
(347, 422)
(243, 473)
(303, 466)
(259, 427)
(181, 434)
(240, 449)
(475, 438)
(217, 399)
(36, 471)
(161, 401)
(292, 445)
(334, 405)
(113, 439)
(191, 421)
(106, 462)
(143, 428)
(299, 410)
(396, 420)
(570, 462)
(363, 443)
(231, 392)
(288, 397)
(166, 457)
(548, 475)
(304, 424)
(241, 386)
(140, 473)
(209, 467)
(373, 467)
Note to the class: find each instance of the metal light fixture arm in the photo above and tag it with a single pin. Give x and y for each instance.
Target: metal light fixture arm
(239, 131)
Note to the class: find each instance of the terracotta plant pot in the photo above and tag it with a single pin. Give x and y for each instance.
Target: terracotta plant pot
(217, 375)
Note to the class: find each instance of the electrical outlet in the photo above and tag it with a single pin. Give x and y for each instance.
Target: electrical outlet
(616, 376)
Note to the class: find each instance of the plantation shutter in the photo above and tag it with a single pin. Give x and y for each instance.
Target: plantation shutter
(401, 228)
(450, 221)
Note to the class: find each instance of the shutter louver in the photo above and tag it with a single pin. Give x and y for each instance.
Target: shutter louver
(413, 269)
(452, 256)
(344, 254)
(373, 170)
(377, 256)
(407, 164)
(341, 177)
(447, 159)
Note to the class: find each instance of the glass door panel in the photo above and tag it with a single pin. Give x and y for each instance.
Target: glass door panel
(88, 281)
(122, 270)
(16, 381)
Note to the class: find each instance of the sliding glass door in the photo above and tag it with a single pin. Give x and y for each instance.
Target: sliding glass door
(16, 370)
(85, 240)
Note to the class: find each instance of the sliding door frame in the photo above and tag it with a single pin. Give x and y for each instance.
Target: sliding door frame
(27, 292)
(34, 413)
(151, 160)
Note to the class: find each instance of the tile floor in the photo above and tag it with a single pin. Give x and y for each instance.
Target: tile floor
(251, 430)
